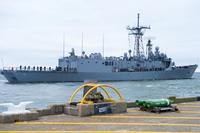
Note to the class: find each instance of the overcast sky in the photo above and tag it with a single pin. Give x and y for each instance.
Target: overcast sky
(31, 31)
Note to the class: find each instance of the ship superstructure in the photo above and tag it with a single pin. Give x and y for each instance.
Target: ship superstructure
(133, 65)
(131, 61)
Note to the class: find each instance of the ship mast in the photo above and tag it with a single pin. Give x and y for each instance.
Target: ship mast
(138, 32)
(63, 45)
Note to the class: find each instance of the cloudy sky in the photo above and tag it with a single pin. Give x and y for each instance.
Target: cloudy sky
(31, 31)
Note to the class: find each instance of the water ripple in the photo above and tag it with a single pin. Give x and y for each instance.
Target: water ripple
(45, 94)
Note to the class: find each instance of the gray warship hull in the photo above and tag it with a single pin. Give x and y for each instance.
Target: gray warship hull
(21, 76)
(134, 65)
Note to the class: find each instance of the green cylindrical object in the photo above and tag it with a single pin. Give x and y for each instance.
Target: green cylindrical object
(154, 103)
(139, 102)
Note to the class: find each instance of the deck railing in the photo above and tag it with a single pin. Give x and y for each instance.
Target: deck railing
(28, 68)
(39, 68)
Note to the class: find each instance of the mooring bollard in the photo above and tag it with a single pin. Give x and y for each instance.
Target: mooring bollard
(94, 102)
(87, 88)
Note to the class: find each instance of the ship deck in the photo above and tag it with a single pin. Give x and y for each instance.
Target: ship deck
(134, 121)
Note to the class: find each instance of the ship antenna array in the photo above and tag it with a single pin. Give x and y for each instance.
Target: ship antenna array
(103, 44)
(82, 52)
(138, 32)
(2, 62)
(63, 44)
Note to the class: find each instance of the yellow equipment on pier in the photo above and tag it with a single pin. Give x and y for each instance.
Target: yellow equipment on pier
(94, 102)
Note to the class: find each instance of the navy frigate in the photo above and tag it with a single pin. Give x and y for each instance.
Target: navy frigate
(134, 65)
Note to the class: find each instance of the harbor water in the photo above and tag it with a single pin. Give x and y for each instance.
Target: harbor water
(44, 94)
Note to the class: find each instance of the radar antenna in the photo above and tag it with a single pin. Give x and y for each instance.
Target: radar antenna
(82, 43)
(82, 51)
(138, 32)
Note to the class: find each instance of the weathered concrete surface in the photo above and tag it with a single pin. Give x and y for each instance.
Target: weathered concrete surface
(57, 108)
(88, 109)
(33, 115)
(79, 110)
(187, 120)
(119, 107)
(9, 118)
(51, 110)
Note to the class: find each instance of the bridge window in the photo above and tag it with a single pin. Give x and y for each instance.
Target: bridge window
(109, 63)
(106, 63)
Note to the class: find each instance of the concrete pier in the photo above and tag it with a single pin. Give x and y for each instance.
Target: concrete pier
(187, 120)
(11, 118)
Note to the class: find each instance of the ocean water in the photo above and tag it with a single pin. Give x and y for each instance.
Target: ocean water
(44, 94)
